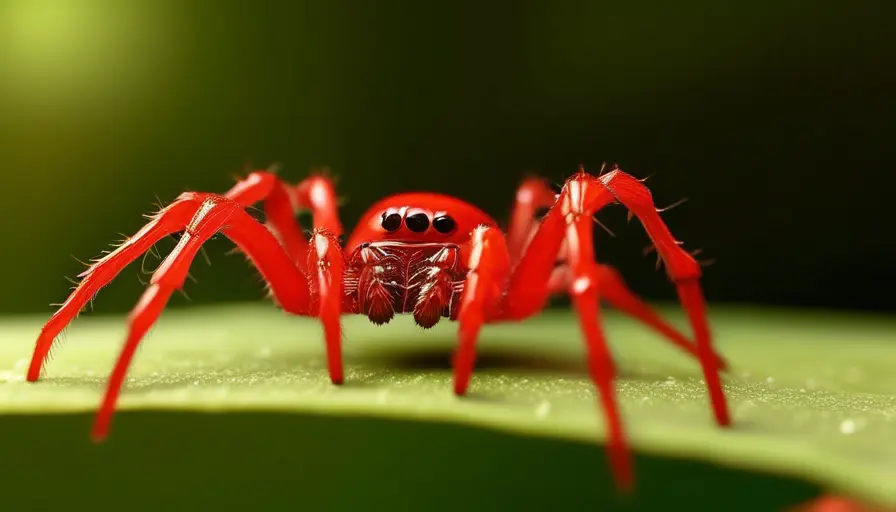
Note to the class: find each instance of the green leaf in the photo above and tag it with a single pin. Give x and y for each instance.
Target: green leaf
(813, 399)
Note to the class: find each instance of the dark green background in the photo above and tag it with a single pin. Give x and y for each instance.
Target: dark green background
(775, 118)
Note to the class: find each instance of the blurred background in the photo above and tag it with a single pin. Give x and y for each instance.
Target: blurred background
(776, 120)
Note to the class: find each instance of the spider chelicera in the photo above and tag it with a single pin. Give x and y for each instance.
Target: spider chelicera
(426, 254)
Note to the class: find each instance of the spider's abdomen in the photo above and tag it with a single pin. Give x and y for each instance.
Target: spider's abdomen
(388, 278)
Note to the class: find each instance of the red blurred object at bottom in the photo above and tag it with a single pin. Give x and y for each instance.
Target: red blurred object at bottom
(838, 504)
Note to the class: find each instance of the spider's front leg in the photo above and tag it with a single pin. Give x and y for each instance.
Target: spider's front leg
(488, 269)
(327, 264)
(212, 215)
(279, 251)
(320, 258)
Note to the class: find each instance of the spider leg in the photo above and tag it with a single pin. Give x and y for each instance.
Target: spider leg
(169, 220)
(618, 294)
(320, 256)
(281, 202)
(586, 301)
(523, 300)
(318, 194)
(615, 291)
(279, 209)
(585, 194)
(568, 227)
(533, 195)
(589, 192)
(213, 214)
(325, 256)
(489, 266)
(278, 250)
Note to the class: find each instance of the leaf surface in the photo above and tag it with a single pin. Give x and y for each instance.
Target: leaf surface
(813, 396)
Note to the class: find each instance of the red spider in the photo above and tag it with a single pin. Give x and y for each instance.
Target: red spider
(427, 254)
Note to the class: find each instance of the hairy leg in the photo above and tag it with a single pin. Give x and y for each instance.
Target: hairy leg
(681, 269)
(170, 220)
(279, 251)
(582, 196)
(534, 197)
(569, 222)
(281, 202)
(212, 214)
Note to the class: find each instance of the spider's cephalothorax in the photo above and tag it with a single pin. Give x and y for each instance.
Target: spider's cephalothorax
(429, 255)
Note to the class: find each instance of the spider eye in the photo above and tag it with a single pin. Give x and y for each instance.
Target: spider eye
(391, 221)
(418, 222)
(444, 224)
